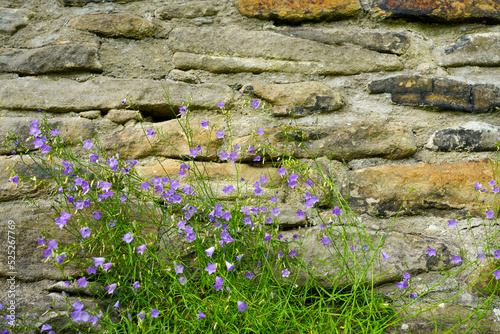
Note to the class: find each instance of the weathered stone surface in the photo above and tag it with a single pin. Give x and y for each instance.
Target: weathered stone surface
(376, 40)
(471, 50)
(84, 2)
(211, 171)
(103, 94)
(471, 137)
(187, 10)
(51, 58)
(482, 282)
(11, 20)
(9, 190)
(438, 10)
(169, 141)
(297, 99)
(382, 190)
(339, 142)
(437, 92)
(91, 114)
(121, 116)
(69, 128)
(186, 76)
(37, 303)
(407, 254)
(114, 25)
(235, 50)
(298, 11)
(126, 59)
(29, 222)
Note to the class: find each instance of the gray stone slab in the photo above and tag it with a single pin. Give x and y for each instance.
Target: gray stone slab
(471, 50)
(50, 59)
(11, 20)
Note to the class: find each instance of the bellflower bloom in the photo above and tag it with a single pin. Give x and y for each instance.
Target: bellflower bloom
(85, 232)
(82, 282)
(204, 124)
(220, 134)
(260, 132)
(154, 313)
(218, 283)
(490, 214)
(141, 249)
(452, 223)
(285, 273)
(250, 275)
(14, 179)
(456, 258)
(255, 103)
(230, 266)
(201, 315)
(111, 288)
(211, 268)
(179, 269)
(242, 306)
(150, 133)
(385, 256)
(136, 285)
(87, 144)
(183, 110)
(326, 241)
(431, 251)
(221, 105)
(497, 274)
(128, 238)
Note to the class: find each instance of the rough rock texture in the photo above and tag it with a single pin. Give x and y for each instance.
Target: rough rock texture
(121, 116)
(437, 92)
(50, 59)
(299, 99)
(29, 221)
(11, 20)
(69, 129)
(84, 2)
(407, 253)
(40, 296)
(186, 10)
(471, 136)
(104, 94)
(339, 142)
(436, 186)
(133, 142)
(114, 25)
(438, 10)
(298, 11)
(236, 50)
(372, 39)
(471, 50)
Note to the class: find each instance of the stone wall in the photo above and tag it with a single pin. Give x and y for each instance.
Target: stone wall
(396, 94)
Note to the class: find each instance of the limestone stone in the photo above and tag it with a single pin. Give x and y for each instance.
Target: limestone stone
(91, 114)
(298, 11)
(438, 10)
(9, 191)
(65, 95)
(70, 128)
(121, 116)
(84, 2)
(11, 20)
(50, 58)
(471, 50)
(442, 93)
(187, 10)
(29, 221)
(338, 142)
(382, 190)
(335, 265)
(126, 58)
(471, 136)
(235, 50)
(185, 76)
(114, 25)
(372, 39)
(37, 303)
(298, 99)
(169, 141)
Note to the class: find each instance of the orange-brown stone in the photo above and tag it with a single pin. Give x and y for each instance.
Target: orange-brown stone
(298, 10)
(439, 10)
(382, 190)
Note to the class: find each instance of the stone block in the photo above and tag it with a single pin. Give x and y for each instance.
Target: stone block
(471, 50)
(298, 11)
(306, 97)
(233, 50)
(438, 10)
(169, 141)
(189, 10)
(11, 20)
(338, 142)
(114, 25)
(69, 129)
(66, 95)
(121, 116)
(80, 3)
(470, 137)
(438, 92)
(50, 59)
(382, 190)
(372, 39)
